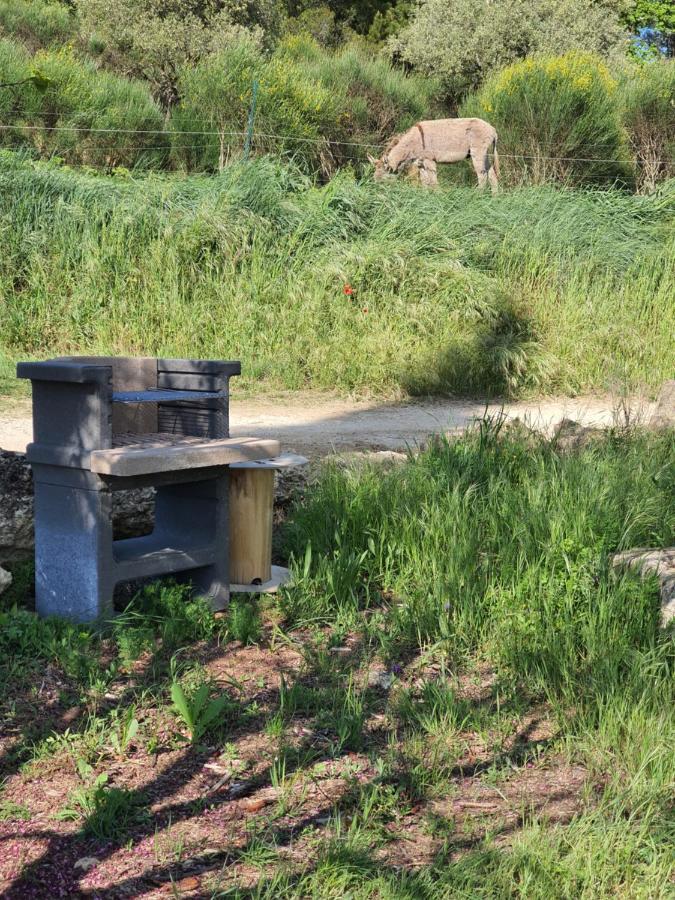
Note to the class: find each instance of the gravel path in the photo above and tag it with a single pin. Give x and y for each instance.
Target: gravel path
(316, 425)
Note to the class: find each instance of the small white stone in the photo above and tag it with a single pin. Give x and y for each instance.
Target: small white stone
(5, 579)
(86, 863)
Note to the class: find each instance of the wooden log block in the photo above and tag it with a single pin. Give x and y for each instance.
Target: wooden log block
(251, 506)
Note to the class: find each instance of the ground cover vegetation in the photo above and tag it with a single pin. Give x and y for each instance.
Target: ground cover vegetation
(170, 84)
(358, 287)
(458, 697)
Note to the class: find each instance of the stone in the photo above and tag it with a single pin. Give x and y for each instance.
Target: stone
(133, 511)
(664, 411)
(380, 679)
(86, 863)
(653, 562)
(570, 435)
(5, 579)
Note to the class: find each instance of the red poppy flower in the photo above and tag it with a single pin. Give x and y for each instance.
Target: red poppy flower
(348, 290)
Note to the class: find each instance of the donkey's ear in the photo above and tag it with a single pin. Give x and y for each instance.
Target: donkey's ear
(371, 159)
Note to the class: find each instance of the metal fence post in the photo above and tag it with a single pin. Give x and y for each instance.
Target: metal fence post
(251, 119)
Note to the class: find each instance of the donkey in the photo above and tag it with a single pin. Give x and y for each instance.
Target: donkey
(441, 141)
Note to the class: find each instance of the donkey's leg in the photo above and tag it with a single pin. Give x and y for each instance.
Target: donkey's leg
(492, 178)
(481, 165)
(429, 173)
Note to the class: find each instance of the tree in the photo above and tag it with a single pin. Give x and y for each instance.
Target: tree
(156, 39)
(657, 17)
(464, 41)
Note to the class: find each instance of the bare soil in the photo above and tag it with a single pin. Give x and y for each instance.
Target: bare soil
(317, 425)
(204, 807)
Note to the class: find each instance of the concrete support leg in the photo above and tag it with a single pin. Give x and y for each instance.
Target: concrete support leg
(73, 552)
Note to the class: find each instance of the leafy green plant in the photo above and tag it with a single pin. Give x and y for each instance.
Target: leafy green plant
(198, 711)
(124, 733)
(243, 621)
(11, 811)
(106, 812)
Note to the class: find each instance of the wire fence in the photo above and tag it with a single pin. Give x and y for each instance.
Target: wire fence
(324, 142)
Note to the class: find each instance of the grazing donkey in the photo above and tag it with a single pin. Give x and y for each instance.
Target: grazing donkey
(441, 141)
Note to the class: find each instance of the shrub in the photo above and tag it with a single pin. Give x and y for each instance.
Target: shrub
(462, 43)
(21, 101)
(36, 22)
(154, 41)
(84, 116)
(322, 108)
(557, 118)
(647, 102)
(376, 99)
(293, 113)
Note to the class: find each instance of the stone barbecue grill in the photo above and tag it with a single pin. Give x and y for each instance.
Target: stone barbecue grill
(104, 424)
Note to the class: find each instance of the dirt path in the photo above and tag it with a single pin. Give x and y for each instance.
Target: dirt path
(316, 425)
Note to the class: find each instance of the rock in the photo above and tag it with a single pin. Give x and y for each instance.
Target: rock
(380, 679)
(5, 579)
(571, 435)
(86, 863)
(664, 411)
(133, 511)
(653, 562)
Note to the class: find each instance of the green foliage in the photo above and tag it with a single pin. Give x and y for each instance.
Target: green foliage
(107, 813)
(557, 119)
(156, 41)
(199, 713)
(465, 42)
(243, 621)
(647, 103)
(309, 101)
(528, 578)
(319, 23)
(69, 109)
(13, 812)
(37, 23)
(124, 731)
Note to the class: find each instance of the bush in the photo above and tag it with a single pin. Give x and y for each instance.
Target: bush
(376, 99)
(84, 116)
(322, 108)
(293, 113)
(35, 22)
(647, 102)
(466, 41)
(557, 118)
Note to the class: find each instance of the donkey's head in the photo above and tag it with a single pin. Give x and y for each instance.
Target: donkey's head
(383, 171)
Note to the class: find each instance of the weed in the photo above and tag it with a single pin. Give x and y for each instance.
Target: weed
(243, 622)
(13, 812)
(199, 713)
(106, 812)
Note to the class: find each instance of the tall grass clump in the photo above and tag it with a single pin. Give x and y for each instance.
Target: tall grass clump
(498, 543)
(323, 108)
(81, 115)
(383, 290)
(37, 23)
(647, 102)
(558, 119)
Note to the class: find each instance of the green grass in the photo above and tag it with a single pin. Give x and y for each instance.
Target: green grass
(490, 552)
(537, 290)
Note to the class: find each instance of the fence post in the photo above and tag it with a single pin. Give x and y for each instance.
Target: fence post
(251, 118)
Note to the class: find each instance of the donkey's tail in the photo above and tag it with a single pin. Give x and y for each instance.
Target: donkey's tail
(495, 157)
